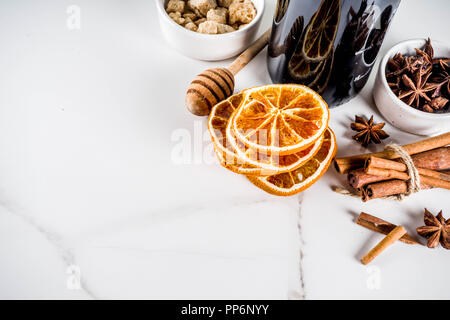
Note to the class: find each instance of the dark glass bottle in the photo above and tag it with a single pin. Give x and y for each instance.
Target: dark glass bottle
(328, 45)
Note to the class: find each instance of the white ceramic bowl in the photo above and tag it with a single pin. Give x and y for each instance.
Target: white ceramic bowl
(210, 47)
(398, 113)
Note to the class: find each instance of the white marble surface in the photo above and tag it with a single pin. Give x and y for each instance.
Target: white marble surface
(89, 120)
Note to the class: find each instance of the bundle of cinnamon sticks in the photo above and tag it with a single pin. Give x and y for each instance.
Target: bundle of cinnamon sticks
(382, 174)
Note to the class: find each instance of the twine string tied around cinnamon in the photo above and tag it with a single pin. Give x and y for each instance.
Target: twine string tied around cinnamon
(413, 173)
(414, 177)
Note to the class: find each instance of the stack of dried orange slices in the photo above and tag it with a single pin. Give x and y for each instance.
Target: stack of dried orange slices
(276, 135)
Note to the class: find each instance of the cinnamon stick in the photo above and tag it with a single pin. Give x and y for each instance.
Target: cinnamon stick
(343, 165)
(436, 159)
(379, 225)
(392, 236)
(386, 189)
(394, 174)
(358, 178)
(375, 162)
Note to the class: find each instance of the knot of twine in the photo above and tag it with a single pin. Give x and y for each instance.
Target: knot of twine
(414, 178)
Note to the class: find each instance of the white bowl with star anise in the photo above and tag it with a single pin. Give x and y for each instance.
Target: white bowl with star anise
(412, 89)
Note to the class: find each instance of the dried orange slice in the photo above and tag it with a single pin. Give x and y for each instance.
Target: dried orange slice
(321, 31)
(272, 163)
(295, 181)
(217, 123)
(279, 119)
(235, 156)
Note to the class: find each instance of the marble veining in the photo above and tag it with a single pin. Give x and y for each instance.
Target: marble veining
(302, 293)
(62, 250)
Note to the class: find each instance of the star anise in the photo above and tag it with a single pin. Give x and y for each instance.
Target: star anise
(403, 65)
(438, 103)
(368, 131)
(427, 108)
(436, 229)
(429, 49)
(421, 80)
(394, 84)
(426, 62)
(443, 63)
(416, 89)
(440, 80)
(396, 62)
(427, 53)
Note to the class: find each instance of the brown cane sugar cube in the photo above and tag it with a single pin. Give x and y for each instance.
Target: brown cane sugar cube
(203, 6)
(219, 15)
(176, 16)
(242, 11)
(190, 15)
(175, 6)
(199, 21)
(188, 20)
(191, 26)
(210, 27)
(224, 3)
(193, 9)
(224, 28)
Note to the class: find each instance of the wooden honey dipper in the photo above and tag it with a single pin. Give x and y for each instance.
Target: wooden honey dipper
(217, 84)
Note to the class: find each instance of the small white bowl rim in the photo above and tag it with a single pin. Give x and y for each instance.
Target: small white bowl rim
(163, 12)
(398, 48)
